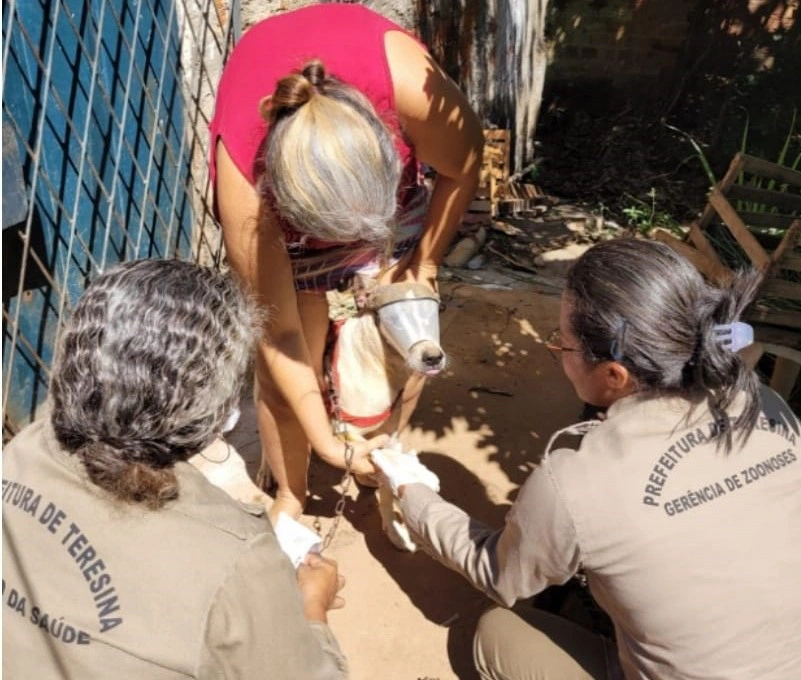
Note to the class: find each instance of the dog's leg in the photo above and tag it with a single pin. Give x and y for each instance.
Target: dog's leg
(411, 395)
(392, 520)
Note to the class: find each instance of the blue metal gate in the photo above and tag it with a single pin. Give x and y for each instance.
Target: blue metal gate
(104, 158)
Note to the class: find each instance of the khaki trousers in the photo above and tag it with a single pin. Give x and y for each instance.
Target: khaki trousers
(525, 643)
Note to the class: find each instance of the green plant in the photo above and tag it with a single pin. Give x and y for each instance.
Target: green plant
(756, 182)
(644, 216)
(787, 140)
(744, 139)
(529, 174)
(699, 153)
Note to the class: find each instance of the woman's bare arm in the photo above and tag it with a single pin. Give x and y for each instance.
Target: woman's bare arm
(258, 254)
(446, 134)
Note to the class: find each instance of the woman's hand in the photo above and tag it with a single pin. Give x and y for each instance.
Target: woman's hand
(361, 463)
(408, 270)
(319, 583)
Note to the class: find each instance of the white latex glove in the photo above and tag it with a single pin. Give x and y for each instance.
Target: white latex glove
(295, 539)
(399, 468)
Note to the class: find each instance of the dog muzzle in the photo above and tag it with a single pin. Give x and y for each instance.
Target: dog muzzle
(406, 322)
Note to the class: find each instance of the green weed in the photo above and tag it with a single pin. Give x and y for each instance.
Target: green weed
(644, 215)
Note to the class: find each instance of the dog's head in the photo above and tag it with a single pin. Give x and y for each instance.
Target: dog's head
(408, 318)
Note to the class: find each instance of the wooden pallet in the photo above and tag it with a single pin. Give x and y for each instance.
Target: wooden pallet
(497, 193)
(494, 173)
(759, 203)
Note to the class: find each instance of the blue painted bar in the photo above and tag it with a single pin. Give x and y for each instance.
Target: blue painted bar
(92, 96)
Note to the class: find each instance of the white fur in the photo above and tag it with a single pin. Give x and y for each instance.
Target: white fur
(392, 521)
(371, 376)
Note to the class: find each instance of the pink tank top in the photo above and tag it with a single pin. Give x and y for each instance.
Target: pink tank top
(348, 39)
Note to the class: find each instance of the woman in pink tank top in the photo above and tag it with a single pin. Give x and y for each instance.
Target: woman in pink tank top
(323, 117)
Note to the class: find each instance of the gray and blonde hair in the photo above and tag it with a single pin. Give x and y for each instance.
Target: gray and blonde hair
(332, 168)
(640, 303)
(148, 367)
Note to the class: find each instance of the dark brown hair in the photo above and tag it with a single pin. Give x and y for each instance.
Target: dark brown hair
(640, 303)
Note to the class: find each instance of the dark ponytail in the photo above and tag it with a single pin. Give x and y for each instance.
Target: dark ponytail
(128, 479)
(640, 303)
(721, 373)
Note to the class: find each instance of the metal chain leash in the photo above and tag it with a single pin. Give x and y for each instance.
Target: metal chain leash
(340, 430)
(339, 508)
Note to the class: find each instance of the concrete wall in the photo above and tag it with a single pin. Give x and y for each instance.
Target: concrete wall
(404, 12)
(711, 67)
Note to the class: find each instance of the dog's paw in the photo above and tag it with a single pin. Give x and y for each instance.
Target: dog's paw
(392, 521)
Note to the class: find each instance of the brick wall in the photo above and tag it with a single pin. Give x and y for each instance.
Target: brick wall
(618, 41)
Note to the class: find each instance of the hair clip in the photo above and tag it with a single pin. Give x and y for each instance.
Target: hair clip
(734, 336)
(616, 349)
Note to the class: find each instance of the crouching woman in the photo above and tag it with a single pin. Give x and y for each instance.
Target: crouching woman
(683, 506)
(121, 560)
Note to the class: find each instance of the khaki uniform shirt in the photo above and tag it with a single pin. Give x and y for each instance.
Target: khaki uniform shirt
(96, 588)
(694, 553)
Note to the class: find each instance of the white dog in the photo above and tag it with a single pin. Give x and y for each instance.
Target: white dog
(377, 357)
(225, 467)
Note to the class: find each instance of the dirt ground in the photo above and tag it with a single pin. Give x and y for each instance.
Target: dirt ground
(480, 426)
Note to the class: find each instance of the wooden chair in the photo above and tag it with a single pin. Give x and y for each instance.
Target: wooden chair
(758, 204)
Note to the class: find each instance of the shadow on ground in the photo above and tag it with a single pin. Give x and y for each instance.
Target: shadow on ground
(481, 427)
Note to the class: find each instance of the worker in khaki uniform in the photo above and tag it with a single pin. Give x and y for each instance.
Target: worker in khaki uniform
(120, 560)
(683, 506)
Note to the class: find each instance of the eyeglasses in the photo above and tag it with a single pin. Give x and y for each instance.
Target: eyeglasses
(554, 344)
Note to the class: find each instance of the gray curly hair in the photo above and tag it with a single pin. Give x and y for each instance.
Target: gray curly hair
(148, 367)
